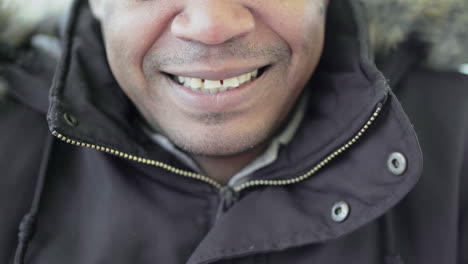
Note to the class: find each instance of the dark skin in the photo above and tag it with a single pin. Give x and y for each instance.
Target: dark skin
(149, 42)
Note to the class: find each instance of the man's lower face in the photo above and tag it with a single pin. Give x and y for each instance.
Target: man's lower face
(218, 77)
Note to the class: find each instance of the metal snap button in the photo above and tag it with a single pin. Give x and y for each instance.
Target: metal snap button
(70, 119)
(397, 163)
(340, 211)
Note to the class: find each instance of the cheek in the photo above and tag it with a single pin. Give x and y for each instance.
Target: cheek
(308, 46)
(300, 23)
(305, 33)
(125, 52)
(142, 27)
(296, 21)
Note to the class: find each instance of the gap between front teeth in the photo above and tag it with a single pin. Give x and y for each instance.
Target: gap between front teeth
(212, 87)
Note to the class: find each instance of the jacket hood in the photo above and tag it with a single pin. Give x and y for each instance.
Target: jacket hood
(358, 117)
(441, 25)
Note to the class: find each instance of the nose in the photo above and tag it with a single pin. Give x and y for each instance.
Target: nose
(212, 22)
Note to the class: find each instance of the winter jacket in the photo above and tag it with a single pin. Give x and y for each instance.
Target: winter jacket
(80, 181)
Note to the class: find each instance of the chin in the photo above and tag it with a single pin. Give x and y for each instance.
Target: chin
(214, 145)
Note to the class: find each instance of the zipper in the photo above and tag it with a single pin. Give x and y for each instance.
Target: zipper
(228, 197)
(237, 189)
(320, 165)
(150, 162)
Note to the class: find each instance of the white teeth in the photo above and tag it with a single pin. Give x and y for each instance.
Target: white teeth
(254, 74)
(209, 84)
(216, 86)
(212, 90)
(187, 82)
(223, 89)
(231, 82)
(196, 83)
(242, 78)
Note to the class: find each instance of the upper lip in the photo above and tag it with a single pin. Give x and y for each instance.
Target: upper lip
(214, 74)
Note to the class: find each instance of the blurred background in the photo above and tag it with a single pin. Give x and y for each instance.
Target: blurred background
(20, 17)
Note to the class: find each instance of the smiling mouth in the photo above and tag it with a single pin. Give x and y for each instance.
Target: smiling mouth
(217, 86)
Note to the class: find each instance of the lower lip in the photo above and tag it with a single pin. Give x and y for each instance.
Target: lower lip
(233, 99)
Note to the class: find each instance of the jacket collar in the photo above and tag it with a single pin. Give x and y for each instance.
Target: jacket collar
(344, 93)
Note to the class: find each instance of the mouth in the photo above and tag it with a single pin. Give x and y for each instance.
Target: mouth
(205, 86)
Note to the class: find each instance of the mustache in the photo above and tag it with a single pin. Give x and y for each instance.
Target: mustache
(193, 53)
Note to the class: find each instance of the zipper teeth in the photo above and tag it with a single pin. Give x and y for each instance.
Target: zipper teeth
(317, 167)
(214, 183)
(124, 155)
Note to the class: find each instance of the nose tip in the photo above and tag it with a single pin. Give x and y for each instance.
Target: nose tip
(212, 22)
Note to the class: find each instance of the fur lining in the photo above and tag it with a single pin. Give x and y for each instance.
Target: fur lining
(443, 24)
(19, 18)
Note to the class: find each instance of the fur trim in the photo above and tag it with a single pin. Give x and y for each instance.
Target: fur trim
(443, 24)
(18, 18)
